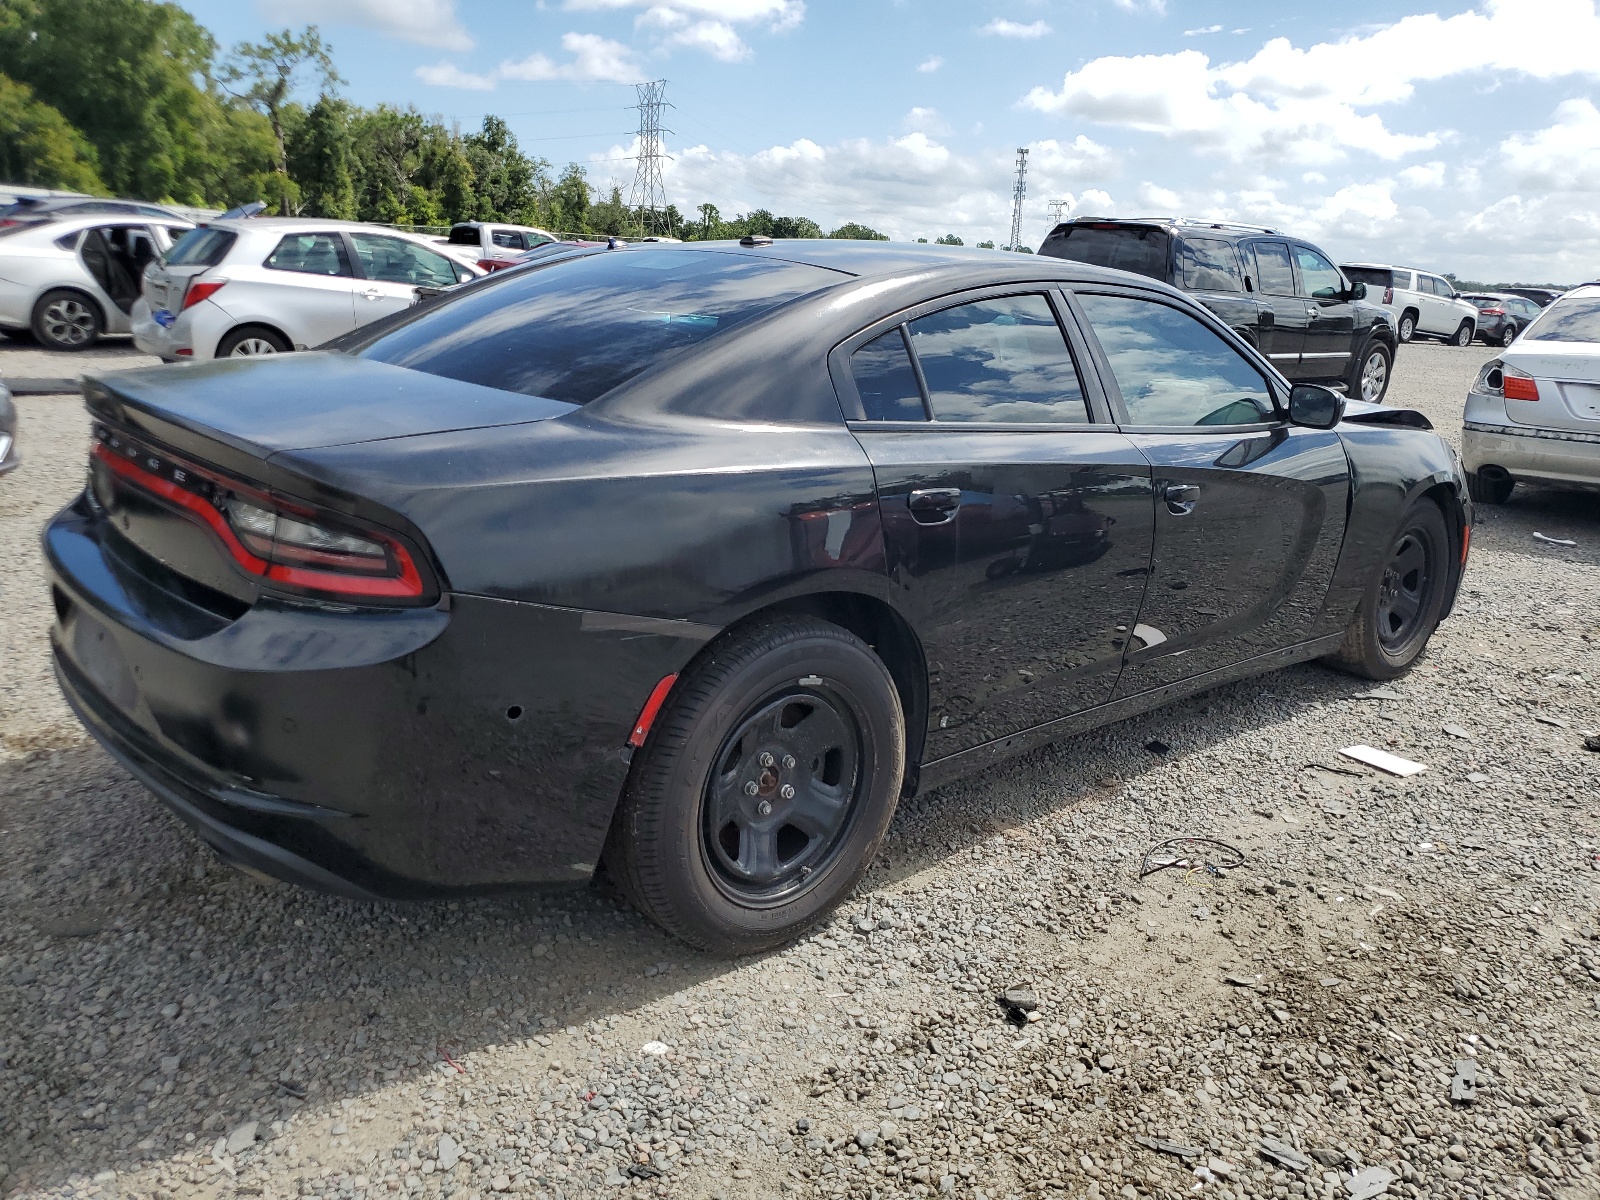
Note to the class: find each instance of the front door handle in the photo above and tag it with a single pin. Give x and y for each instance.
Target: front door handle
(934, 506)
(1181, 498)
(372, 294)
(1313, 312)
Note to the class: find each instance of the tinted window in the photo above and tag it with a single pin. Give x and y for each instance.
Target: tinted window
(1172, 370)
(201, 247)
(1570, 319)
(1209, 265)
(395, 260)
(1318, 276)
(1371, 276)
(1525, 308)
(1483, 302)
(507, 239)
(998, 360)
(886, 381)
(310, 254)
(1125, 247)
(1273, 271)
(578, 327)
(464, 235)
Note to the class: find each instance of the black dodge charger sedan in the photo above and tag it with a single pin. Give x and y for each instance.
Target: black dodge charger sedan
(694, 560)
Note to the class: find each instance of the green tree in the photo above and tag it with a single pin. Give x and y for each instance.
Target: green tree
(134, 77)
(567, 201)
(795, 227)
(321, 160)
(989, 245)
(949, 239)
(506, 183)
(612, 216)
(39, 147)
(851, 231)
(266, 75)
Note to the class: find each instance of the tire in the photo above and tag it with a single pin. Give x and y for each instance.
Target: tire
(65, 319)
(1490, 490)
(1462, 336)
(1369, 377)
(702, 860)
(1400, 607)
(1408, 326)
(1508, 334)
(247, 341)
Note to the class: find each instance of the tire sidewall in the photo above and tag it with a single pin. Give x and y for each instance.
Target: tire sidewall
(1353, 384)
(1401, 329)
(231, 340)
(677, 767)
(1420, 515)
(82, 298)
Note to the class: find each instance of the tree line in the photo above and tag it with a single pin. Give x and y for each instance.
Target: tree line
(134, 98)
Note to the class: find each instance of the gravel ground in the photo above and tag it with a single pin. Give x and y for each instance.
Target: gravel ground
(27, 360)
(169, 1028)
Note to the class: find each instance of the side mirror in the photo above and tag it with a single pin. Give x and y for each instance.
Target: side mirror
(1358, 291)
(1315, 407)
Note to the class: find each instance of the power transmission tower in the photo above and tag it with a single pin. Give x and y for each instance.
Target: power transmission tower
(1019, 192)
(649, 196)
(1058, 209)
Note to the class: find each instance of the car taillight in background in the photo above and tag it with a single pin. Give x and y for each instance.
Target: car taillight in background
(201, 289)
(1388, 295)
(1492, 312)
(494, 264)
(267, 536)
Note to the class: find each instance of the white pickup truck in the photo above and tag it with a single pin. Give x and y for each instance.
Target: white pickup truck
(1422, 305)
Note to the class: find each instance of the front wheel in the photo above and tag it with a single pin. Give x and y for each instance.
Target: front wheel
(1463, 336)
(1400, 608)
(1369, 378)
(764, 789)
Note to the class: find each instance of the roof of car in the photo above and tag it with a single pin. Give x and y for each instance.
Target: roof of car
(1211, 228)
(865, 258)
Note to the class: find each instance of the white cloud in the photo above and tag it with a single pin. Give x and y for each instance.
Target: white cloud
(1000, 27)
(928, 65)
(1202, 31)
(1159, 7)
(447, 74)
(708, 25)
(594, 59)
(1424, 175)
(716, 38)
(1306, 105)
(426, 22)
(1564, 157)
(925, 120)
(1160, 201)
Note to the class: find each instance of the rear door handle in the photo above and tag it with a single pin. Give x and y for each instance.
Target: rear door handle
(1313, 312)
(1181, 498)
(934, 506)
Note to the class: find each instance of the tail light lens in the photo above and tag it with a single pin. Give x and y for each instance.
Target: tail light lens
(1518, 385)
(1388, 295)
(1492, 312)
(492, 264)
(201, 289)
(270, 537)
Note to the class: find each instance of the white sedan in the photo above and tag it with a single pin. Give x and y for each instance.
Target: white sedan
(266, 285)
(1534, 412)
(70, 279)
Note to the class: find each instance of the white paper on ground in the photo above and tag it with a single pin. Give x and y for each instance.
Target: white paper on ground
(1383, 760)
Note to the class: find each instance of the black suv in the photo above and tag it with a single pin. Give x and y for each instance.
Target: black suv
(1282, 294)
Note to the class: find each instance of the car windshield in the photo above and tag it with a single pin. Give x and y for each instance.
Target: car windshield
(579, 327)
(1573, 319)
(1135, 248)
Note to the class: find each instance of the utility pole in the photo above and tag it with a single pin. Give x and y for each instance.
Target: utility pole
(649, 196)
(1019, 192)
(1058, 209)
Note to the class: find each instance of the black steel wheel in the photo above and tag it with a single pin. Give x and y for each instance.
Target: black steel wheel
(764, 789)
(1401, 607)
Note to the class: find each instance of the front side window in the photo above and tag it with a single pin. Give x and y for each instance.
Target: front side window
(1172, 369)
(1004, 359)
(886, 381)
(1318, 276)
(1570, 319)
(311, 254)
(578, 327)
(395, 260)
(1273, 271)
(1209, 265)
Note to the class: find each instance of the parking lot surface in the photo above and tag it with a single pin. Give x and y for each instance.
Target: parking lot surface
(169, 1028)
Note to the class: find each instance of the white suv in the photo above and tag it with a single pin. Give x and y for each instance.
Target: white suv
(266, 285)
(495, 243)
(1421, 304)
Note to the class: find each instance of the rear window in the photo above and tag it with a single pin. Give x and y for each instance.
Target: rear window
(579, 327)
(464, 235)
(201, 248)
(1143, 251)
(1568, 320)
(1371, 276)
(1482, 302)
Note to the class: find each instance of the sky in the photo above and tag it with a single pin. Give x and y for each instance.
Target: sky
(1458, 137)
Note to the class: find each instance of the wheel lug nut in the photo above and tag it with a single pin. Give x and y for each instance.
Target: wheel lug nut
(751, 788)
(787, 791)
(788, 762)
(765, 808)
(766, 759)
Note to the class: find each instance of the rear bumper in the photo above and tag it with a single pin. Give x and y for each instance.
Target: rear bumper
(153, 338)
(1525, 452)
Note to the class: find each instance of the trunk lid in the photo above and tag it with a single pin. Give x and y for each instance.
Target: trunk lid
(1568, 374)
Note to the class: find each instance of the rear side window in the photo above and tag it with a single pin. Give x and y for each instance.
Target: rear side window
(507, 239)
(1143, 251)
(311, 254)
(201, 248)
(1571, 319)
(886, 381)
(1209, 265)
(1273, 271)
(1173, 370)
(1003, 360)
(577, 328)
(464, 235)
(1374, 277)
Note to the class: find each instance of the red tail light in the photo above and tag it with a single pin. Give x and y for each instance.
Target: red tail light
(1388, 295)
(199, 290)
(1519, 386)
(268, 537)
(493, 264)
(1491, 312)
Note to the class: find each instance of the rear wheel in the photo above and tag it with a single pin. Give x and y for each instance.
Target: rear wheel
(1508, 334)
(67, 320)
(1408, 326)
(1463, 336)
(1489, 489)
(1400, 609)
(1369, 378)
(764, 789)
(251, 340)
